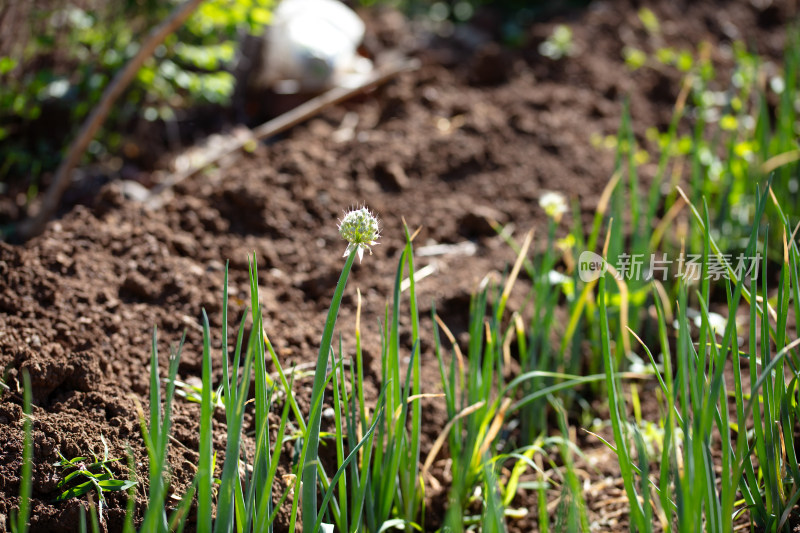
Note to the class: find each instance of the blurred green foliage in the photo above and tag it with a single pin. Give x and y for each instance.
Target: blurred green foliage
(56, 73)
(740, 127)
(559, 44)
(515, 15)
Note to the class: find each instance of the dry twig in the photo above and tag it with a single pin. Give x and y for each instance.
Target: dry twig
(285, 121)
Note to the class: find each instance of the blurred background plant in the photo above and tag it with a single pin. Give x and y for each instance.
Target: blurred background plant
(741, 124)
(441, 16)
(57, 56)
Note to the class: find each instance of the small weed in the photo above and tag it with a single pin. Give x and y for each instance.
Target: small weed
(559, 44)
(95, 475)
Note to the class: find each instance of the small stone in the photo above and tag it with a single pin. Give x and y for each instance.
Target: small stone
(133, 190)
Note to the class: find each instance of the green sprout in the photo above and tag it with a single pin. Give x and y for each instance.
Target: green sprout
(194, 393)
(93, 475)
(559, 44)
(634, 58)
(649, 21)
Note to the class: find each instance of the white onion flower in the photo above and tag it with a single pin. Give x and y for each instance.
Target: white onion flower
(554, 204)
(359, 227)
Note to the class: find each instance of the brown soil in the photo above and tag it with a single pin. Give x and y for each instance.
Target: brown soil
(479, 131)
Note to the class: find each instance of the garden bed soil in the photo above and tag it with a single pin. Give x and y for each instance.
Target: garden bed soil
(478, 132)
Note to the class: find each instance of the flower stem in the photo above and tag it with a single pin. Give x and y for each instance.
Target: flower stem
(309, 476)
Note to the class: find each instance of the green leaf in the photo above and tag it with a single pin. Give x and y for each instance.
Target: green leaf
(116, 485)
(76, 491)
(7, 64)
